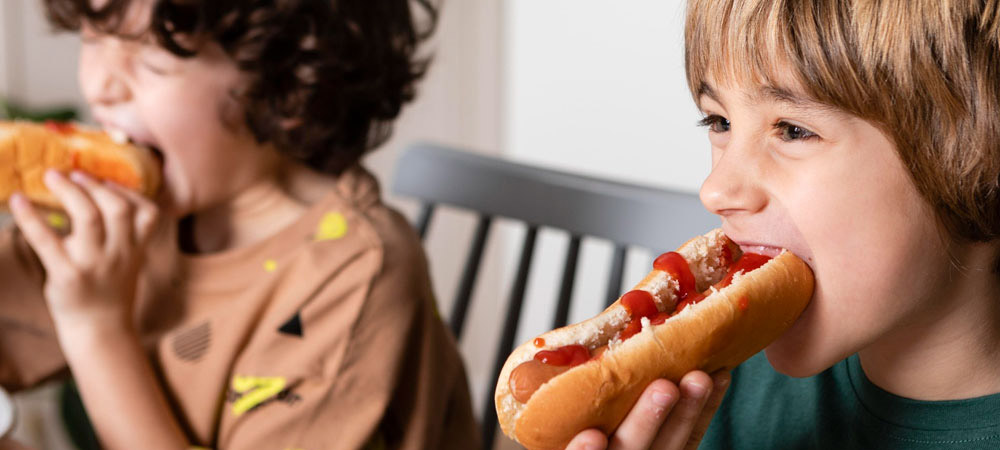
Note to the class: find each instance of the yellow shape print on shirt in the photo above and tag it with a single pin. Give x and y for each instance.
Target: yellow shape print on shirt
(254, 391)
(332, 226)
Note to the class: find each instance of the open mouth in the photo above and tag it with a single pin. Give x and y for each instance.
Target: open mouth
(123, 137)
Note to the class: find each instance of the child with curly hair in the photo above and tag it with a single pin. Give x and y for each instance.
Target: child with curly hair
(267, 299)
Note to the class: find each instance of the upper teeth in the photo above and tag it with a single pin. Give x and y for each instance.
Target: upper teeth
(118, 136)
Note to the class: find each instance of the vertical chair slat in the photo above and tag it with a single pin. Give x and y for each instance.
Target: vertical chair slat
(566, 286)
(509, 331)
(469, 273)
(424, 219)
(615, 277)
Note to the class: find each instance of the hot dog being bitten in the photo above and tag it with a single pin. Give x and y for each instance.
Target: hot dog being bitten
(708, 306)
(28, 150)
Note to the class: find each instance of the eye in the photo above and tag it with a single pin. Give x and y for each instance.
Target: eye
(790, 132)
(152, 67)
(715, 123)
(156, 61)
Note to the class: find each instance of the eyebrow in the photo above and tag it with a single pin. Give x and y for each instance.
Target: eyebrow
(705, 90)
(781, 95)
(770, 93)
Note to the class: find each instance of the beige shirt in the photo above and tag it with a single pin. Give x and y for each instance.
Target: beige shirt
(324, 336)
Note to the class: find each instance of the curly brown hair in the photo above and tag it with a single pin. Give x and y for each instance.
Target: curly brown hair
(326, 78)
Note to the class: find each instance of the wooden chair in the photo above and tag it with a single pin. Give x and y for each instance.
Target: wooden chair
(630, 216)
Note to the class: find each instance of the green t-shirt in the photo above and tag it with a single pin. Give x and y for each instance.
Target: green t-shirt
(841, 409)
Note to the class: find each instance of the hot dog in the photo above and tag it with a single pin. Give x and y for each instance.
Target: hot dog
(28, 150)
(707, 306)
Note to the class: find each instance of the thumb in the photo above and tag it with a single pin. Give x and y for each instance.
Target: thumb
(721, 379)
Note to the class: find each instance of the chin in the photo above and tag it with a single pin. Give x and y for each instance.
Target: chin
(794, 362)
(803, 351)
(171, 202)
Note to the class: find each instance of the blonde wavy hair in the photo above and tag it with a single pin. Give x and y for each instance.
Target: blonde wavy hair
(926, 72)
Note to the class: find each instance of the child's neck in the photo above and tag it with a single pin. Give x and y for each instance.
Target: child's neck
(950, 352)
(256, 213)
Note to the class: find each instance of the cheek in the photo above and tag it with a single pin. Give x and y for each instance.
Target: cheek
(187, 122)
(876, 254)
(86, 73)
(876, 232)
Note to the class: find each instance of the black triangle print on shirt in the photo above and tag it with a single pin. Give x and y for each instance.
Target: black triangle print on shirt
(293, 326)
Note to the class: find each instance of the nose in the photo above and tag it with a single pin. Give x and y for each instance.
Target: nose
(735, 184)
(102, 74)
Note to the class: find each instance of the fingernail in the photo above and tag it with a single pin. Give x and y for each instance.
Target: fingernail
(696, 390)
(661, 399)
(50, 175)
(77, 176)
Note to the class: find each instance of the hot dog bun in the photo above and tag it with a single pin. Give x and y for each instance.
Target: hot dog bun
(719, 332)
(28, 149)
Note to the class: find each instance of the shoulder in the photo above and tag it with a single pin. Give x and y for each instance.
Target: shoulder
(353, 226)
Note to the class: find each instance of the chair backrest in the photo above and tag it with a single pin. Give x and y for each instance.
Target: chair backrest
(627, 215)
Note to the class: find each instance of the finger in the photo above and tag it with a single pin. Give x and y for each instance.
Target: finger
(639, 428)
(39, 236)
(720, 382)
(83, 213)
(116, 212)
(588, 440)
(146, 216)
(695, 389)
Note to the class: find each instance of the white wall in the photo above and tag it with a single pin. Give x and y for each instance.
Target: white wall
(39, 67)
(598, 86)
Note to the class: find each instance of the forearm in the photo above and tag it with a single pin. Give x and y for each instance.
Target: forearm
(119, 388)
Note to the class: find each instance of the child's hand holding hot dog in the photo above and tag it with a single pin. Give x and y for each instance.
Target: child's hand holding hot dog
(91, 281)
(92, 272)
(666, 417)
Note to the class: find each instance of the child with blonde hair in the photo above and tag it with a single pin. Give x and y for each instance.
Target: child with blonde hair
(863, 136)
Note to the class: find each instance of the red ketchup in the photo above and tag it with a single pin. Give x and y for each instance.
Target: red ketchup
(639, 304)
(748, 263)
(59, 127)
(675, 264)
(678, 268)
(570, 355)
